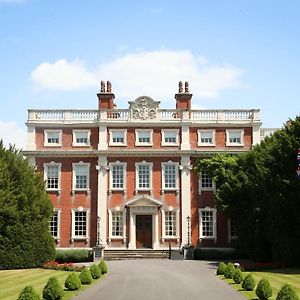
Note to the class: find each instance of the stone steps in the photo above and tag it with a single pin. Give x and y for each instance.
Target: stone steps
(116, 254)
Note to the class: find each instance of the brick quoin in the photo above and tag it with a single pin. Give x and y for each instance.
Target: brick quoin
(100, 200)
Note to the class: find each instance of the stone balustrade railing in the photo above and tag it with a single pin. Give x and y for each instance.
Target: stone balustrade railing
(124, 115)
(267, 132)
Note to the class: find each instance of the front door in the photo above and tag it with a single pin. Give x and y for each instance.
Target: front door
(143, 231)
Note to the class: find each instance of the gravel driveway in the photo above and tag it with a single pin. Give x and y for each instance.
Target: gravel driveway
(160, 279)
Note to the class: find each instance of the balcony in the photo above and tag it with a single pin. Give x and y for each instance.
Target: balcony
(160, 115)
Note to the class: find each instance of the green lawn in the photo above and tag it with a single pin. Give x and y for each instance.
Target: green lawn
(13, 281)
(276, 277)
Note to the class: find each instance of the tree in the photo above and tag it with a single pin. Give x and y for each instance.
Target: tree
(260, 190)
(25, 211)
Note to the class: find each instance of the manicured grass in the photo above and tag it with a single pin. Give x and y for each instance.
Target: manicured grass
(13, 281)
(276, 277)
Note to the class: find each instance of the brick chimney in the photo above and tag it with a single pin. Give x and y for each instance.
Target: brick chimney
(183, 99)
(106, 98)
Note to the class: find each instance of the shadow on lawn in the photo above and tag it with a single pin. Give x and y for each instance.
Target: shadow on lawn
(280, 271)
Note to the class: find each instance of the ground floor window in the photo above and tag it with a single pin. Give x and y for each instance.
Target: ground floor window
(54, 225)
(117, 224)
(170, 223)
(80, 223)
(207, 222)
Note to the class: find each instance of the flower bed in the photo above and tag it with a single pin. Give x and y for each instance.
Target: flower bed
(54, 265)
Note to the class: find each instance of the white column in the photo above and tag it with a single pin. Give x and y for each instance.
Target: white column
(185, 137)
(255, 135)
(102, 197)
(155, 231)
(185, 197)
(102, 137)
(132, 238)
(30, 138)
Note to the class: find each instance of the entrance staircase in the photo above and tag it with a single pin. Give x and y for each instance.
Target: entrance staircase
(119, 254)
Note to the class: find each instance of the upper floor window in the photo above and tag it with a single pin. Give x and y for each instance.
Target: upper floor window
(208, 228)
(143, 137)
(81, 137)
(81, 178)
(117, 176)
(143, 176)
(169, 175)
(52, 138)
(206, 137)
(52, 175)
(169, 137)
(117, 137)
(234, 137)
(205, 182)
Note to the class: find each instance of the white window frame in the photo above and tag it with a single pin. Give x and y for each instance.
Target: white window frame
(74, 165)
(51, 164)
(73, 236)
(88, 133)
(163, 135)
(163, 227)
(163, 166)
(202, 189)
(230, 237)
(112, 131)
(214, 227)
(111, 165)
(110, 218)
(228, 131)
(137, 133)
(137, 188)
(58, 211)
(47, 131)
(213, 135)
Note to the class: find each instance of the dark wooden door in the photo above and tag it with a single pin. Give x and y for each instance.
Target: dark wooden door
(144, 231)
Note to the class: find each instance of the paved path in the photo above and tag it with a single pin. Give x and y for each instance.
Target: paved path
(160, 279)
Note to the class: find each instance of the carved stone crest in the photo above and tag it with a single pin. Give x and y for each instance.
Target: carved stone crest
(143, 108)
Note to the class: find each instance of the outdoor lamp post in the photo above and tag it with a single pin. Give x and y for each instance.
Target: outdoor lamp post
(98, 231)
(188, 219)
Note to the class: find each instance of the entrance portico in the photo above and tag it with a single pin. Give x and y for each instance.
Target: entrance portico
(143, 222)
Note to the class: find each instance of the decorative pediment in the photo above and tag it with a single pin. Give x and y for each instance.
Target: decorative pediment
(143, 108)
(143, 200)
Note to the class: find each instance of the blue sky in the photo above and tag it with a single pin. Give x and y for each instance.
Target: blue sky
(235, 54)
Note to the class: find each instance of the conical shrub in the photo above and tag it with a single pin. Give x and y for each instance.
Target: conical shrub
(103, 266)
(95, 271)
(238, 276)
(263, 289)
(72, 282)
(85, 276)
(229, 271)
(287, 293)
(28, 293)
(248, 283)
(221, 268)
(53, 290)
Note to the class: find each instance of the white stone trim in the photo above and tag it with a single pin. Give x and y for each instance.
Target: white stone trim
(163, 133)
(87, 236)
(74, 165)
(163, 165)
(111, 165)
(213, 132)
(185, 137)
(209, 209)
(74, 136)
(137, 188)
(137, 143)
(256, 135)
(46, 132)
(102, 145)
(111, 143)
(53, 163)
(228, 131)
(31, 145)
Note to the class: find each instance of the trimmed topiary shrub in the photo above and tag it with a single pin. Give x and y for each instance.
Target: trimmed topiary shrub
(263, 289)
(287, 293)
(28, 293)
(229, 271)
(72, 282)
(85, 276)
(95, 271)
(221, 268)
(103, 266)
(248, 283)
(53, 290)
(73, 255)
(238, 276)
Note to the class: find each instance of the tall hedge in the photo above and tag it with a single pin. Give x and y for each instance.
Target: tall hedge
(259, 189)
(25, 211)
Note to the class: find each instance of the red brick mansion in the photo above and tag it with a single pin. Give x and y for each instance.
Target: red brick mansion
(124, 178)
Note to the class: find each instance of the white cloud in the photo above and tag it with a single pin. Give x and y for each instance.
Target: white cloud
(63, 75)
(12, 134)
(153, 73)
